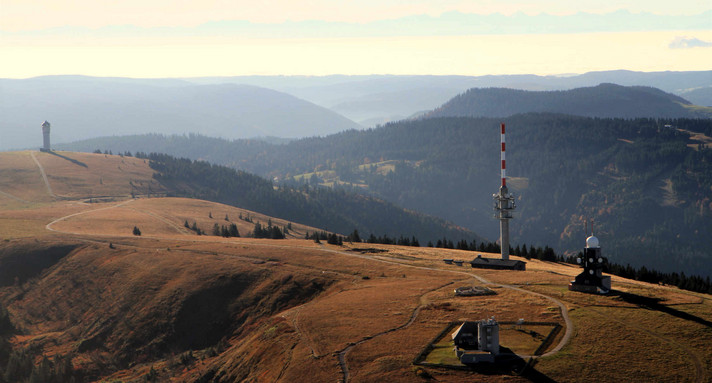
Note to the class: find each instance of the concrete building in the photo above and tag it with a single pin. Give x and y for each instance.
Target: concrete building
(477, 342)
(45, 135)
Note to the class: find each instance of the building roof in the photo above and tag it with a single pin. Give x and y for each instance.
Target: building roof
(495, 261)
(592, 242)
(467, 328)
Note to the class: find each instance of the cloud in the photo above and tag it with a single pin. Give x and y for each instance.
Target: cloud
(684, 42)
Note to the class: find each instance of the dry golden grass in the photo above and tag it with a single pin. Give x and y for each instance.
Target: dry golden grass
(20, 180)
(102, 176)
(30, 222)
(355, 307)
(135, 293)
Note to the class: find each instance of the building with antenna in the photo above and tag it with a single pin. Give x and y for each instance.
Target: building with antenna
(591, 279)
(45, 135)
(503, 204)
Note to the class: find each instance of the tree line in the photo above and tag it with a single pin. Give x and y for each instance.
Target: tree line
(336, 209)
(694, 283)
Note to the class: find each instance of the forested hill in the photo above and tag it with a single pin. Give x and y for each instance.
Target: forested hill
(604, 100)
(646, 182)
(334, 210)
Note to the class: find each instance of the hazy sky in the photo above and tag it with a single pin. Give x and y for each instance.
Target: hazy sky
(178, 38)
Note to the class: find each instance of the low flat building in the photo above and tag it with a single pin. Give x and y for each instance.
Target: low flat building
(498, 264)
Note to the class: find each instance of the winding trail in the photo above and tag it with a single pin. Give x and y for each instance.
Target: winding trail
(49, 225)
(564, 311)
(343, 363)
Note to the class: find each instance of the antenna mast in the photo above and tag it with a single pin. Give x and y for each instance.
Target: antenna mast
(503, 203)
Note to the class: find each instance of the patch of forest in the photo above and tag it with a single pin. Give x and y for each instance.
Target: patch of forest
(335, 210)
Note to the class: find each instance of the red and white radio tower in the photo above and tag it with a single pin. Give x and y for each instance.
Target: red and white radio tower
(503, 205)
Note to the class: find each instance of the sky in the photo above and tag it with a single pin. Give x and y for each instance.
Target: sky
(196, 38)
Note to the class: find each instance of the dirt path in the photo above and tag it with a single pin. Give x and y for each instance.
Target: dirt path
(44, 175)
(563, 309)
(343, 363)
(49, 225)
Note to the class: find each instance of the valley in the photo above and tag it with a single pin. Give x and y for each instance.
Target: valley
(172, 305)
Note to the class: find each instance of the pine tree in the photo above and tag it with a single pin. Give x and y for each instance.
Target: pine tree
(233, 230)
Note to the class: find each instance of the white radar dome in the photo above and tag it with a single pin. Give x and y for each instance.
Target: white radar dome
(592, 242)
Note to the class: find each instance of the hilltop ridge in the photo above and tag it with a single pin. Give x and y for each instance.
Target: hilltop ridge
(606, 100)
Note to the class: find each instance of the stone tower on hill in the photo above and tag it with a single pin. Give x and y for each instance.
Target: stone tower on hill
(45, 135)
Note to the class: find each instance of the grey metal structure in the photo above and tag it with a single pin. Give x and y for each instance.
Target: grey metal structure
(591, 279)
(503, 205)
(45, 135)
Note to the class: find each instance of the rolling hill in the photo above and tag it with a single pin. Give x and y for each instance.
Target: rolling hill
(82, 178)
(84, 107)
(604, 100)
(645, 182)
(82, 299)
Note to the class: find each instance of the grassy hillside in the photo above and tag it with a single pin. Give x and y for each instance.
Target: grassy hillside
(225, 311)
(83, 299)
(73, 176)
(99, 177)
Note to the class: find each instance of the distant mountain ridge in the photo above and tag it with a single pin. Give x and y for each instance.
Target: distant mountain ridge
(377, 99)
(84, 107)
(605, 100)
(81, 107)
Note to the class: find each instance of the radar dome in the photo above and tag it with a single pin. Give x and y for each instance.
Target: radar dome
(592, 242)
